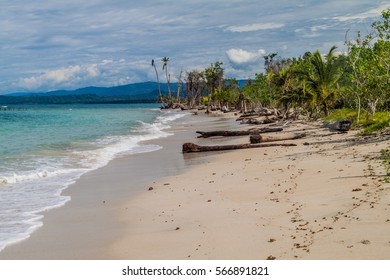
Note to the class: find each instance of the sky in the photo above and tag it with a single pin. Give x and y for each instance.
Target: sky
(67, 44)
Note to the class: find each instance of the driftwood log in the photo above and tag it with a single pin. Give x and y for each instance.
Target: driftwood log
(257, 121)
(226, 133)
(193, 148)
(247, 116)
(262, 113)
(254, 139)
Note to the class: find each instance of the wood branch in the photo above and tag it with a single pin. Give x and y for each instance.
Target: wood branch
(254, 139)
(228, 133)
(193, 148)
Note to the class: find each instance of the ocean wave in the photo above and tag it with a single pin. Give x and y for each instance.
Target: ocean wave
(26, 194)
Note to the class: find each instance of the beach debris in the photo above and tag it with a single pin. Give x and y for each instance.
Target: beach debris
(365, 242)
(263, 120)
(193, 148)
(150, 189)
(254, 139)
(177, 228)
(341, 125)
(357, 190)
(264, 112)
(227, 133)
(272, 240)
(270, 258)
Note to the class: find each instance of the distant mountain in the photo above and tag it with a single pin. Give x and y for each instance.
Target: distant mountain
(146, 92)
(127, 90)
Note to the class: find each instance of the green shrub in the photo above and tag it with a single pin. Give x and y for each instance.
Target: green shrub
(378, 122)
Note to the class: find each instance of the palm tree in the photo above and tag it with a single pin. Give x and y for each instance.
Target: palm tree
(321, 81)
(165, 67)
(158, 82)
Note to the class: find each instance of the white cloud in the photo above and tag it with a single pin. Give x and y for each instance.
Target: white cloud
(106, 61)
(319, 27)
(51, 77)
(63, 77)
(92, 70)
(362, 16)
(243, 57)
(255, 27)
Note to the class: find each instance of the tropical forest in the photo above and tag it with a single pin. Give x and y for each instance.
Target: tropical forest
(353, 85)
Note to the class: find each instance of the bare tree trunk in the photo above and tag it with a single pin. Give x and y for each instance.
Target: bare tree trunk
(158, 81)
(179, 87)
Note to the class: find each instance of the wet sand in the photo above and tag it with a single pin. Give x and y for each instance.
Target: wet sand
(86, 226)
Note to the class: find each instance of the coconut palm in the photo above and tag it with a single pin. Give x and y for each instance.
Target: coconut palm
(158, 82)
(165, 67)
(321, 81)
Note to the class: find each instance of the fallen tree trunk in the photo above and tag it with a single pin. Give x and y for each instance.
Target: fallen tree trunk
(228, 133)
(254, 139)
(247, 116)
(193, 148)
(257, 121)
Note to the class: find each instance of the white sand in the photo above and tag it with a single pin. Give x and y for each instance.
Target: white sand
(324, 201)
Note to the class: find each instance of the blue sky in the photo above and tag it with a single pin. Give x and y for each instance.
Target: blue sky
(57, 44)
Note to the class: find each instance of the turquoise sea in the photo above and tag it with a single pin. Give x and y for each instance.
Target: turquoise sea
(45, 148)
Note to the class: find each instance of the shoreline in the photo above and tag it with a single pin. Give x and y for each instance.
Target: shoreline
(318, 201)
(85, 226)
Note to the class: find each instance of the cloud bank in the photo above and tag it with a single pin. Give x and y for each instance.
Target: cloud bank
(70, 44)
(255, 27)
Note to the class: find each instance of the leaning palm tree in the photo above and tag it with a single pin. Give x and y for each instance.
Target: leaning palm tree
(158, 82)
(165, 67)
(321, 81)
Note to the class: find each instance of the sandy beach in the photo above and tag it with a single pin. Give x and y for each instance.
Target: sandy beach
(317, 201)
(325, 198)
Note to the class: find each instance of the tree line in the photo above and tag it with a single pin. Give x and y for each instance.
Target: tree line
(312, 84)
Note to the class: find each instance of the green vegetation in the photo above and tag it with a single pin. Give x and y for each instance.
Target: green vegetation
(353, 85)
(371, 124)
(385, 157)
(378, 121)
